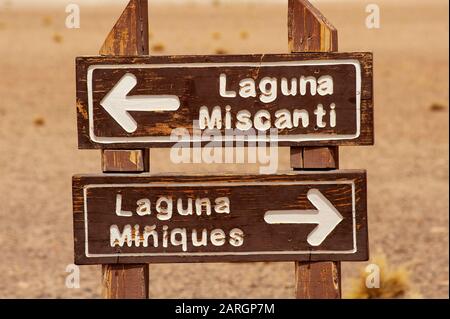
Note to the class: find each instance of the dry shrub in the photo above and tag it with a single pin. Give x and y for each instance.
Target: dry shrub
(39, 121)
(436, 107)
(216, 35)
(244, 34)
(57, 38)
(158, 47)
(47, 21)
(394, 283)
(6, 4)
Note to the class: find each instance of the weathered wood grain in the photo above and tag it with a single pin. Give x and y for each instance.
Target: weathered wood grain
(310, 31)
(296, 158)
(124, 281)
(129, 36)
(199, 86)
(318, 280)
(114, 161)
(95, 201)
(320, 157)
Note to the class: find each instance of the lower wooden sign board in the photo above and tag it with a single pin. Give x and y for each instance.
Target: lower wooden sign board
(296, 216)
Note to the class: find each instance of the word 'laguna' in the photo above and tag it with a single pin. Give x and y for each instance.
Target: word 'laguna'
(164, 207)
(268, 87)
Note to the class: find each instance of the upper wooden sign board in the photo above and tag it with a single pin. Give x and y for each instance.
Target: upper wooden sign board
(305, 99)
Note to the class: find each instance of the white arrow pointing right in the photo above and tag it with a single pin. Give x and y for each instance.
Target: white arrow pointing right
(327, 217)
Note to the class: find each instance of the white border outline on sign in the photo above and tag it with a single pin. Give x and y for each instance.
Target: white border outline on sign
(167, 139)
(224, 184)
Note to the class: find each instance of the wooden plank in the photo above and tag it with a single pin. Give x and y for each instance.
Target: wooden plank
(125, 281)
(314, 158)
(310, 31)
(296, 159)
(159, 219)
(129, 36)
(114, 161)
(339, 111)
(320, 157)
(316, 280)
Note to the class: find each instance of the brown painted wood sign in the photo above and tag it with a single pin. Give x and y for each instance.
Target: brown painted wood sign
(302, 99)
(158, 219)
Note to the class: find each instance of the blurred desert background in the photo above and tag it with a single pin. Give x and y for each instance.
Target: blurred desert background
(407, 168)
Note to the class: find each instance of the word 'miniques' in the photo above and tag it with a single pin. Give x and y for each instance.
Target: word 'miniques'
(163, 209)
(267, 91)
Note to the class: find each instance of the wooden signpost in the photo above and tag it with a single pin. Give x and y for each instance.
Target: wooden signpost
(312, 100)
(310, 31)
(128, 37)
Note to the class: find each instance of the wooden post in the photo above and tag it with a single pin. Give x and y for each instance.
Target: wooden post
(129, 36)
(309, 31)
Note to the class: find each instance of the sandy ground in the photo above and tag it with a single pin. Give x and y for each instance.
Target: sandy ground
(407, 169)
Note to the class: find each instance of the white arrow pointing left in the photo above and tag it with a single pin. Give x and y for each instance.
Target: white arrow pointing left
(327, 217)
(117, 102)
